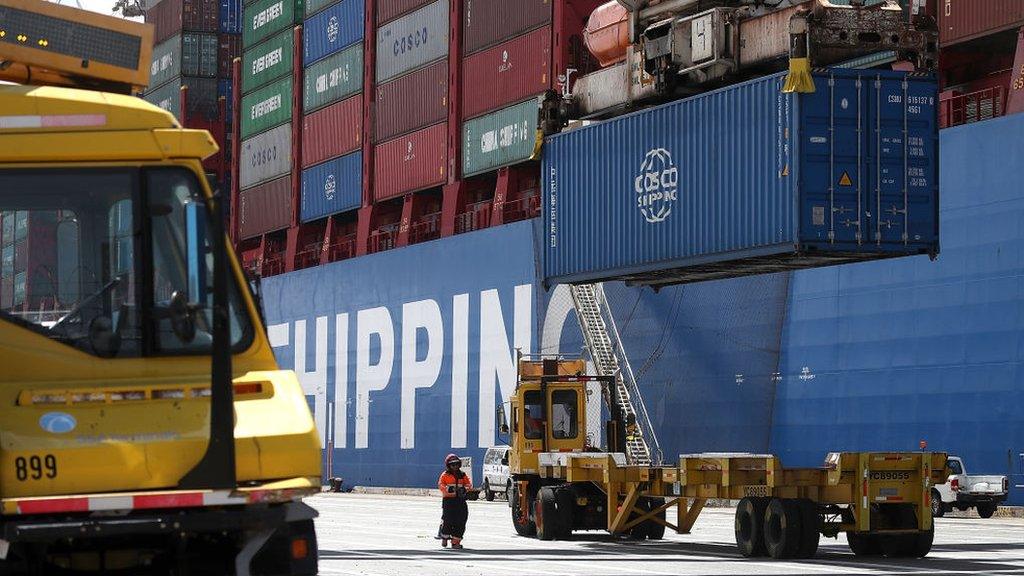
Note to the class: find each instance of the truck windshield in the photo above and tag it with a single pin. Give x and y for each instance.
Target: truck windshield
(113, 262)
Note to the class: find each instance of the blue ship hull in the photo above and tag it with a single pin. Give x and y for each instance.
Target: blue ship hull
(405, 353)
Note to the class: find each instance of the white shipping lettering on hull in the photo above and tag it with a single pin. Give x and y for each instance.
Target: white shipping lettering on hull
(423, 339)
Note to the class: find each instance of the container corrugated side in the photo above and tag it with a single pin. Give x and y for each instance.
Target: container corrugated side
(506, 73)
(411, 102)
(229, 18)
(229, 47)
(412, 162)
(331, 187)
(265, 18)
(172, 17)
(502, 138)
(268, 61)
(963, 20)
(224, 90)
(265, 208)
(486, 22)
(332, 131)
(267, 107)
(333, 78)
(413, 40)
(265, 156)
(755, 173)
(201, 97)
(388, 10)
(332, 30)
(166, 61)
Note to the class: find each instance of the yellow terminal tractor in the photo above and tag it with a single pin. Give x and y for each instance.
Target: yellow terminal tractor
(144, 424)
(571, 470)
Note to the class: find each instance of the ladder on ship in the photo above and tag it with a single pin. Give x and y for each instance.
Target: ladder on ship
(602, 340)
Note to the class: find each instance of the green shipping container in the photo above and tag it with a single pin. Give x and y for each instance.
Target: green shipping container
(267, 107)
(265, 18)
(267, 61)
(501, 138)
(314, 6)
(333, 78)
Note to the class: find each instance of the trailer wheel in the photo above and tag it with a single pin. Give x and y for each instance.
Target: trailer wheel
(986, 510)
(655, 530)
(810, 530)
(521, 517)
(545, 513)
(565, 501)
(782, 528)
(750, 526)
(938, 508)
(864, 544)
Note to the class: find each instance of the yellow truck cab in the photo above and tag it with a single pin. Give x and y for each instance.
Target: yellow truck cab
(144, 424)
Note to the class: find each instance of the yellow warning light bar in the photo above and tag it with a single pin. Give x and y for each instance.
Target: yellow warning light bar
(44, 43)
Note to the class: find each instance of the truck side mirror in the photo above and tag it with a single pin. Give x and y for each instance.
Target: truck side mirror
(502, 422)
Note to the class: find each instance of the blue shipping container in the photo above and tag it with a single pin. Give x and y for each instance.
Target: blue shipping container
(331, 187)
(332, 30)
(747, 180)
(230, 16)
(224, 91)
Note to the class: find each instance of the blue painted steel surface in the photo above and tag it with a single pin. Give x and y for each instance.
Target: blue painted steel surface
(331, 30)
(883, 355)
(746, 171)
(224, 91)
(229, 18)
(331, 187)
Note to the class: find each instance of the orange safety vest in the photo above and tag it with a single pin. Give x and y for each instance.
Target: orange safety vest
(447, 483)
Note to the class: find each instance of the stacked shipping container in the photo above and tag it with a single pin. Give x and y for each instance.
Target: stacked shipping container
(28, 261)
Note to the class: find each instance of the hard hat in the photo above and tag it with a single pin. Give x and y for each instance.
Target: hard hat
(451, 458)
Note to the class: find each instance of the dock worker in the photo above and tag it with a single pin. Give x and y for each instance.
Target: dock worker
(454, 484)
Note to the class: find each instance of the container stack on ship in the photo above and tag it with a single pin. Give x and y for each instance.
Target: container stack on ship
(396, 226)
(195, 42)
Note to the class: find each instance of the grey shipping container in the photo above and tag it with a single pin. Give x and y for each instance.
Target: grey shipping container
(501, 138)
(333, 78)
(202, 97)
(187, 54)
(265, 156)
(413, 40)
(758, 181)
(265, 208)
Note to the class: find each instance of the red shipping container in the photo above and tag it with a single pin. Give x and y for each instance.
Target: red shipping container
(265, 208)
(962, 20)
(411, 102)
(388, 10)
(412, 162)
(332, 131)
(506, 73)
(229, 47)
(171, 17)
(488, 22)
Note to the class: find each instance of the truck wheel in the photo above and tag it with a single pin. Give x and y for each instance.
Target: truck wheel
(864, 544)
(809, 528)
(565, 501)
(488, 494)
(938, 508)
(750, 526)
(508, 491)
(520, 517)
(986, 510)
(655, 530)
(782, 528)
(546, 514)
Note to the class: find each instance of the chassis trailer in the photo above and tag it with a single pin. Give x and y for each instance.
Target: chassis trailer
(564, 480)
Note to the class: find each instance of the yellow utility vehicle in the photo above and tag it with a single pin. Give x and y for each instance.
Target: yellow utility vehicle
(144, 424)
(570, 472)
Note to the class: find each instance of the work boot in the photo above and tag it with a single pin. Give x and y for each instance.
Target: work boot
(444, 543)
(456, 543)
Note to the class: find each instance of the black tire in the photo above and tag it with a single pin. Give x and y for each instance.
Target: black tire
(938, 508)
(545, 514)
(922, 543)
(749, 526)
(488, 494)
(508, 491)
(655, 530)
(565, 502)
(986, 510)
(810, 530)
(521, 518)
(782, 528)
(864, 544)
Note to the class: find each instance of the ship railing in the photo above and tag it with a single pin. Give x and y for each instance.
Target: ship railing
(344, 248)
(309, 256)
(522, 208)
(273, 265)
(972, 107)
(428, 227)
(477, 216)
(383, 238)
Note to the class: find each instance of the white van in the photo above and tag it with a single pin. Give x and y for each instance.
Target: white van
(496, 473)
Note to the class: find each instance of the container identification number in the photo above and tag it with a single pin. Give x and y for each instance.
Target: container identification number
(35, 467)
(890, 475)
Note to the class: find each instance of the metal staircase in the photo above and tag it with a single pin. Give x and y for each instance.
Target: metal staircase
(602, 340)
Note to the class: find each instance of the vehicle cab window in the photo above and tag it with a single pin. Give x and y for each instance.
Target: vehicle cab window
(533, 419)
(954, 467)
(564, 416)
